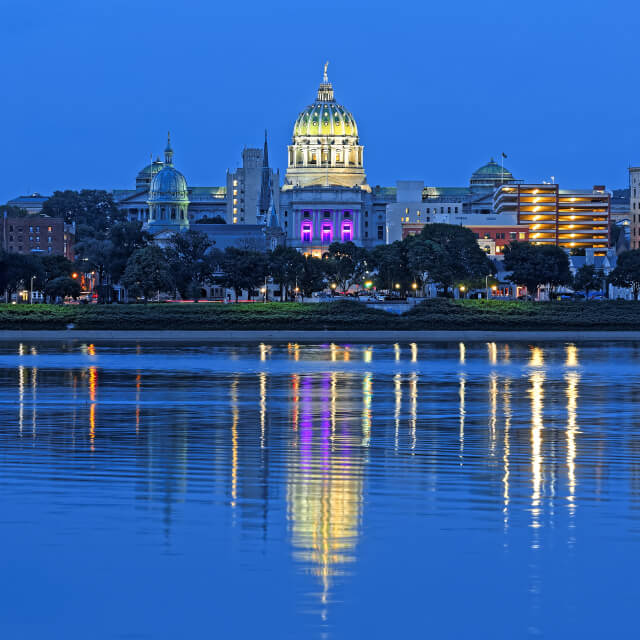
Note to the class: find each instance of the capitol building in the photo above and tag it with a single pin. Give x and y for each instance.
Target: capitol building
(324, 197)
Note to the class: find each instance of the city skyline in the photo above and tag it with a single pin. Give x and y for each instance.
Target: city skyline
(97, 129)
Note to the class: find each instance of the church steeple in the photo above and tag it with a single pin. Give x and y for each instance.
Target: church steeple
(265, 183)
(168, 152)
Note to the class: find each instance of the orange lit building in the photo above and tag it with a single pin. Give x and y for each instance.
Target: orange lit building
(569, 219)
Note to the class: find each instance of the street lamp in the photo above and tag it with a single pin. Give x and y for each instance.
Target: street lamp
(368, 284)
(414, 286)
(397, 285)
(462, 289)
(333, 288)
(31, 289)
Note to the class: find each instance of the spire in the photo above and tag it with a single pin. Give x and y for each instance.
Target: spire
(265, 184)
(265, 153)
(168, 152)
(325, 90)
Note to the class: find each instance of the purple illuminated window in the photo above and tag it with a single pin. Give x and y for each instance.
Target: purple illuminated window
(347, 231)
(306, 231)
(327, 232)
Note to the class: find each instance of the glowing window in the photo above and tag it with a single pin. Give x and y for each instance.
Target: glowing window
(306, 231)
(347, 231)
(327, 232)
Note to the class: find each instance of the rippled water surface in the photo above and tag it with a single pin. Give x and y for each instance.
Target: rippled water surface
(319, 491)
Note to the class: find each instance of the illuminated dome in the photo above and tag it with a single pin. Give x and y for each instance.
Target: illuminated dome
(168, 198)
(168, 185)
(326, 150)
(325, 118)
(491, 175)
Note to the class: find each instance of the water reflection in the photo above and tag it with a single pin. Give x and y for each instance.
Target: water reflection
(329, 457)
(325, 484)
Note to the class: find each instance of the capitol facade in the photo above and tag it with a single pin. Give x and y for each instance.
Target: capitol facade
(325, 196)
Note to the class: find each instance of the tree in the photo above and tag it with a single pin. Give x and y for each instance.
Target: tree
(242, 269)
(312, 277)
(587, 278)
(17, 270)
(14, 212)
(188, 256)
(534, 265)
(452, 255)
(627, 271)
(286, 267)
(95, 255)
(147, 272)
(93, 211)
(347, 263)
(53, 267)
(61, 287)
(391, 262)
(125, 237)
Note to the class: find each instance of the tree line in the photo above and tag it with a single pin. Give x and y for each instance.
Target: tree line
(120, 252)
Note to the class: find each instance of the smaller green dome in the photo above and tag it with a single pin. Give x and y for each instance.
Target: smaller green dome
(491, 174)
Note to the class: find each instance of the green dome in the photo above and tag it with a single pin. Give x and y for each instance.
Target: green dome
(491, 171)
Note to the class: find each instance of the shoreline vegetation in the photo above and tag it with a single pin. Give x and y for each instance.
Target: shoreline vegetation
(438, 314)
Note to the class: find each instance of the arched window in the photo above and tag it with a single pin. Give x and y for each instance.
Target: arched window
(305, 233)
(327, 232)
(173, 213)
(347, 231)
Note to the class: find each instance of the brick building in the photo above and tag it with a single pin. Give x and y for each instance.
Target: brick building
(37, 234)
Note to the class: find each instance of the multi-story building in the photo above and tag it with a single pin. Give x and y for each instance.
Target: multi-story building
(251, 187)
(569, 219)
(634, 198)
(416, 204)
(325, 196)
(37, 234)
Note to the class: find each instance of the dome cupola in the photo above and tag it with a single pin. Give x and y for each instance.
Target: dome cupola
(325, 149)
(168, 198)
(491, 175)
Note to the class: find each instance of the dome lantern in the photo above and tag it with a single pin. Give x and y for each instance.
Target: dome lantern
(325, 149)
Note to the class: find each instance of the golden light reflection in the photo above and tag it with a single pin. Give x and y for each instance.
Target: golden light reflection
(334, 352)
(324, 491)
(91, 350)
(265, 351)
(463, 351)
(572, 378)
(536, 358)
(294, 349)
(493, 412)
(413, 408)
(572, 355)
(396, 350)
(368, 354)
(493, 352)
(22, 374)
(414, 352)
(93, 388)
(536, 393)
(234, 442)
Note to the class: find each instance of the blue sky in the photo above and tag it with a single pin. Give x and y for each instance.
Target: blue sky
(89, 89)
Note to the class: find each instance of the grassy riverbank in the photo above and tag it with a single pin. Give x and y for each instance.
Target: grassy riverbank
(437, 314)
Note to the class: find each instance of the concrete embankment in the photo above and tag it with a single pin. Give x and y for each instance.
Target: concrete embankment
(317, 337)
